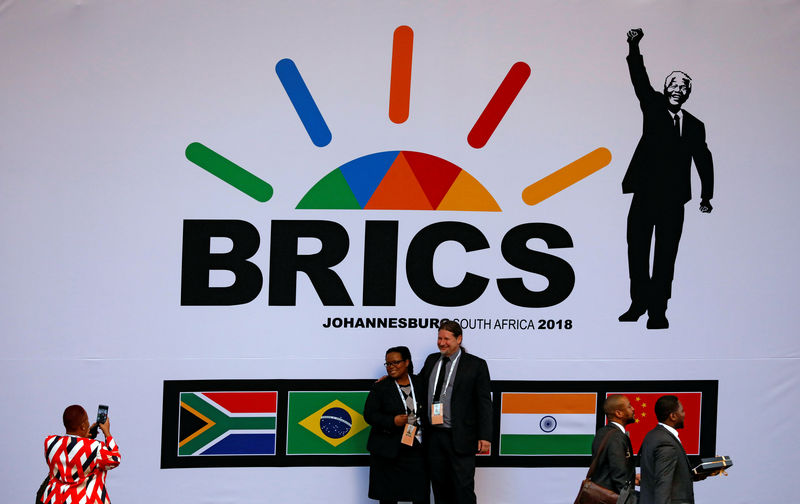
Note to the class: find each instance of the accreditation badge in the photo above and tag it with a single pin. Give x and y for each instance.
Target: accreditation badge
(437, 413)
(408, 434)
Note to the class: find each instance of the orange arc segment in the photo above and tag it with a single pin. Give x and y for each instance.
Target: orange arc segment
(400, 86)
(467, 194)
(566, 176)
(399, 190)
(538, 403)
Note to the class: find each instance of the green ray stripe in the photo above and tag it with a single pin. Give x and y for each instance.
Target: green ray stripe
(547, 444)
(228, 171)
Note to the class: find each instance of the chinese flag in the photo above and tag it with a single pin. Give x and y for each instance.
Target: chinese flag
(643, 404)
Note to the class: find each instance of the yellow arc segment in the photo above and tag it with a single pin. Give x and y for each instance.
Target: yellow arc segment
(566, 176)
(209, 423)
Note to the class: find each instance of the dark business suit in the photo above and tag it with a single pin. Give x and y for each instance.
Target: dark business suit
(659, 176)
(615, 467)
(397, 472)
(666, 474)
(451, 452)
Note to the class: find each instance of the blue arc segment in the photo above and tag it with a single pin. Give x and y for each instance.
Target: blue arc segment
(303, 102)
(364, 174)
(243, 444)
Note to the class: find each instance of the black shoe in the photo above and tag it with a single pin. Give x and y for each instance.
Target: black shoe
(657, 321)
(633, 314)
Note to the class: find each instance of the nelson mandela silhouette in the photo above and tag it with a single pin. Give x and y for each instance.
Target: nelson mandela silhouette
(659, 178)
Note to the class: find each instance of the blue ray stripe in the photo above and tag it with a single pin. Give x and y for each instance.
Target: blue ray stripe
(303, 102)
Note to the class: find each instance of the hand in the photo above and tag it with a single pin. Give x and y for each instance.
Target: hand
(381, 378)
(638, 479)
(106, 427)
(400, 420)
(705, 206)
(635, 35)
(484, 446)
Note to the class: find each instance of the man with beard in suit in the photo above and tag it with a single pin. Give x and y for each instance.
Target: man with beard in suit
(459, 408)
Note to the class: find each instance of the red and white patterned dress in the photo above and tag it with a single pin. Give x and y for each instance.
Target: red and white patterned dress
(78, 468)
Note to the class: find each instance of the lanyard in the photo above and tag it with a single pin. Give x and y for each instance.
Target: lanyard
(413, 395)
(449, 375)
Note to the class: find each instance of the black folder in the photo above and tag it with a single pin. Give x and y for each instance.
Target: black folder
(713, 464)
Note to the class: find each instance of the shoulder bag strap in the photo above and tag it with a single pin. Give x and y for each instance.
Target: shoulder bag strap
(599, 453)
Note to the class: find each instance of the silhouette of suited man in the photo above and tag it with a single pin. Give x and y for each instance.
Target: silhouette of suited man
(659, 176)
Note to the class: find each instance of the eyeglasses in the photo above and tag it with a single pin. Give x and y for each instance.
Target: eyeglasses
(393, 363)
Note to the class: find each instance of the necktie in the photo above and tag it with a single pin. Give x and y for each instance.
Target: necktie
(677, 126)
(437, 392)
(409, 399)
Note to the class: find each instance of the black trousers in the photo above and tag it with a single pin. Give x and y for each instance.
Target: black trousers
(646, 217)
(452, 474)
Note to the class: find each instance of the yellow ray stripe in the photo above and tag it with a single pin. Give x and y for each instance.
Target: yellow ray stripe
(209, 423)
(566, 176)
(536, 403)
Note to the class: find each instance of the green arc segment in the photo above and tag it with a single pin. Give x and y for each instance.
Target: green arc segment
(332, 191)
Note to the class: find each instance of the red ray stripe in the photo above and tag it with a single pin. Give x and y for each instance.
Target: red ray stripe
(499, 104)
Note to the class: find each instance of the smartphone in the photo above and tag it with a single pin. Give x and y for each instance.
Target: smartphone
(102, 414)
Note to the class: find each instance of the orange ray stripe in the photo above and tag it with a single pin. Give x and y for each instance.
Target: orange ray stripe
(535, 403)
(400, 87)
(566, 176)
(209, 423)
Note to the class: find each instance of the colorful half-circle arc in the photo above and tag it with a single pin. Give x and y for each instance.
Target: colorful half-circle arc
(399, 180)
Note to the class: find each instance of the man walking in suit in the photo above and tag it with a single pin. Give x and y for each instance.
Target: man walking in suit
(666, 474)
(615, 468)
(659, 176)
(459, 408)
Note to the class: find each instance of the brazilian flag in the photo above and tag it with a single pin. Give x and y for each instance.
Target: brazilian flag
(326, 423)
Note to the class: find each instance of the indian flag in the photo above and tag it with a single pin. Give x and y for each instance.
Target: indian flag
(533, 423)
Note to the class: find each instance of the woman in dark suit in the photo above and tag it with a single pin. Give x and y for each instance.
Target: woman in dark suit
(397, 470)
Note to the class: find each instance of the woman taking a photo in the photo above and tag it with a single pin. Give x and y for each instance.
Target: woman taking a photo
(394, 409)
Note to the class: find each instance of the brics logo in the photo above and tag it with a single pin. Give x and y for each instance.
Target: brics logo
(393, 180)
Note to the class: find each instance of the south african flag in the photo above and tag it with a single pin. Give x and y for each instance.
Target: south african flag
(227, 423)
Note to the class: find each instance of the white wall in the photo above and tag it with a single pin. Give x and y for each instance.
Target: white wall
(98, 100)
